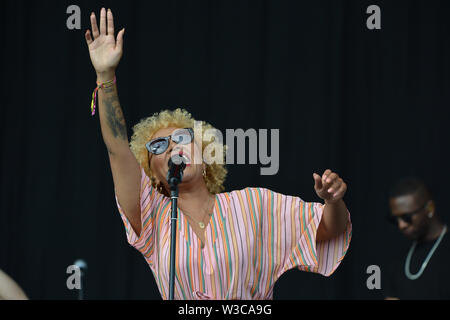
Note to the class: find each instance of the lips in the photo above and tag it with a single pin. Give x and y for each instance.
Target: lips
(186, 158)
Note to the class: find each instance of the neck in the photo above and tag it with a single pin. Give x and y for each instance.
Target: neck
(195, 199)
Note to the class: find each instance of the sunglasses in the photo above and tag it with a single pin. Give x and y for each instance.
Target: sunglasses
(407, 217)
(179, 136)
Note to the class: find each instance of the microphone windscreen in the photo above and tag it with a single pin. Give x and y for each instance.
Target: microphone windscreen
(80, 263)
(177, 159)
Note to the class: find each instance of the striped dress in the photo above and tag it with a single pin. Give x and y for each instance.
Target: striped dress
(253, 237)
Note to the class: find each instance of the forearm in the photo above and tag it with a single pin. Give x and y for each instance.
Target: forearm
(112, 121)
(334, 219)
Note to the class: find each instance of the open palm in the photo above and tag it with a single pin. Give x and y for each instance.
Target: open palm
(105, 51)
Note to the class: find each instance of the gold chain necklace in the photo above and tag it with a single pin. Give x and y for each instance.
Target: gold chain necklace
(200, 223)
(408, 273)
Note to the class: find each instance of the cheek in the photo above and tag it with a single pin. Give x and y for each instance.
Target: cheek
(196, 151)
(157, 164)
(419, 221)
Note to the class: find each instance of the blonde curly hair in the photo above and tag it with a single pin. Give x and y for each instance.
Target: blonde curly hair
(179, 118)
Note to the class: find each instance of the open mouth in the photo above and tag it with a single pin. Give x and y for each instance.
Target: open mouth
(186, 158)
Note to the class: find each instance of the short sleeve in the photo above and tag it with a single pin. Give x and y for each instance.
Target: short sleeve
(291, 230)
(149, 198)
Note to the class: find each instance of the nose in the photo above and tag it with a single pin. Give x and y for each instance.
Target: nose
(171, 146)
(174, 147)
(402, 225)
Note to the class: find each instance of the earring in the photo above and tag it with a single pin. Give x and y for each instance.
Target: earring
(204, 173)
(430, 214)
(155, 185)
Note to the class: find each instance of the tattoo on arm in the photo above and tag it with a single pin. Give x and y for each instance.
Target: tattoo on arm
(114, 115)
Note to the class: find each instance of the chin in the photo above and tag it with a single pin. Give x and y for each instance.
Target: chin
(188, 173)
(414, 236)
(410, 237)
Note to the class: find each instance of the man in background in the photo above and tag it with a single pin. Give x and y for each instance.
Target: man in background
(422, 270)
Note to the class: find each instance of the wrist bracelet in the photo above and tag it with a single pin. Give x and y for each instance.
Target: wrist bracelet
(106, 84)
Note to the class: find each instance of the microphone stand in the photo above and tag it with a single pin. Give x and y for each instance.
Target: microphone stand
(81, 291)
(174, 177)
(173, 182)
(82, 265)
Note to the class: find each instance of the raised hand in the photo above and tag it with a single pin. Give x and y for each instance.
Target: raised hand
(330, 187)
(105, 50)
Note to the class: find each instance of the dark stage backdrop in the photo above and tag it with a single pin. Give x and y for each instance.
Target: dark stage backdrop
(370, 104)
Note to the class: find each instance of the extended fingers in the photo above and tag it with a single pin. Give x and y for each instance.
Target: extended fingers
(104, 30)
(317, 181)
(88, 37)
(119, 42)
(110, 23)
(103, 21)
(94, 26)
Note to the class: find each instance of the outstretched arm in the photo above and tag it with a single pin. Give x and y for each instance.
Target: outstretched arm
(105, 52)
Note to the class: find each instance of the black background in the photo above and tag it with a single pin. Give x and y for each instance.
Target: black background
(371, 105)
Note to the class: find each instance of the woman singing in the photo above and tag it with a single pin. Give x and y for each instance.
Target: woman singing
(230, 245)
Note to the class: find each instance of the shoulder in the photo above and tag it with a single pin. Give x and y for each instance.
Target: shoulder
(258, 196)
(261, 193)
(248, 192)
(247, 197)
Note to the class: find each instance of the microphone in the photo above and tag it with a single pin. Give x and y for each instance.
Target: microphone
(80, 263)
(176, 167)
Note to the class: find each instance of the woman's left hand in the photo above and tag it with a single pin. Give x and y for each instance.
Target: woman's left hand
(330, 187)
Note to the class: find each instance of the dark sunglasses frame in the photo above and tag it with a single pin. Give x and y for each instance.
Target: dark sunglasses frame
(166, 139)
(407, 217)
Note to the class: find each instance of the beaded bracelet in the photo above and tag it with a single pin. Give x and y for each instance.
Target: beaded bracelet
(106, 84)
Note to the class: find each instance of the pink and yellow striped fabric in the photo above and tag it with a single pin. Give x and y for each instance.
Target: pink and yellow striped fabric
(254, 236)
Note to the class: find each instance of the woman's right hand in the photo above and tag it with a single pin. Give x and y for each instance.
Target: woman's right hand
(105, 51)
